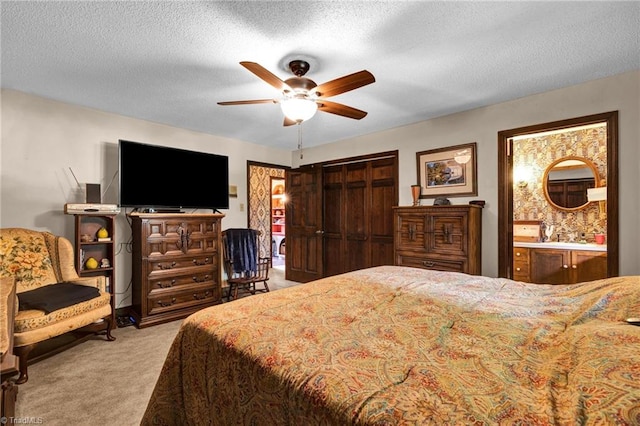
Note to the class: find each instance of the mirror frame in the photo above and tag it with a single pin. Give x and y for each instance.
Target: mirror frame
(545, 181)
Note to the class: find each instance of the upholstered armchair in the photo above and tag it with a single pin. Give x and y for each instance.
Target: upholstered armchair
(8, 361)
(42, 262)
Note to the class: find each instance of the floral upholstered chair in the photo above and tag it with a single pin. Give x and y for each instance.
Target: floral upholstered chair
(52, 298)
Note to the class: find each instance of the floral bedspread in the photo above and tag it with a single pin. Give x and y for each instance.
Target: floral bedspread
(404, 346)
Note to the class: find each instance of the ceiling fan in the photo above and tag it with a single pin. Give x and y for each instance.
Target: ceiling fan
(302, 97)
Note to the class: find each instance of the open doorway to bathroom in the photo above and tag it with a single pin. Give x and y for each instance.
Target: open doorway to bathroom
(529, 197)
(262, 214)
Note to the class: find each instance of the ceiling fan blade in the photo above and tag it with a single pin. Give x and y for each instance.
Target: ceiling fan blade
(344, 84)
(254, 101)
(288, 121)
(340, 109)
(266, 75)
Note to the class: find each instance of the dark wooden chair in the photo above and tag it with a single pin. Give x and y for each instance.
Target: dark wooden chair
(241, 279)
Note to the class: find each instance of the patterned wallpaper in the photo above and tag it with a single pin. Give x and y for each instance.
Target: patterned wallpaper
(537, 152)
(260, 202)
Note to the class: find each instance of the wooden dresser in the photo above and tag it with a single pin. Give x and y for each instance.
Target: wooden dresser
(444, 238)
(176, 265)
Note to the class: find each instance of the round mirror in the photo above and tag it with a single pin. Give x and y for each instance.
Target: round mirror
(566, 181)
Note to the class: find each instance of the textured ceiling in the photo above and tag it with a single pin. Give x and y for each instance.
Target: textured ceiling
(170, 62)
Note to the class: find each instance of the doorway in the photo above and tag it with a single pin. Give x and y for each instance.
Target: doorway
(278, 222)
(506, 181)
(260, 180)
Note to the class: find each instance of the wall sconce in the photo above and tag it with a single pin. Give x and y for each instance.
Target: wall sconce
(522, 175)
(598, 194)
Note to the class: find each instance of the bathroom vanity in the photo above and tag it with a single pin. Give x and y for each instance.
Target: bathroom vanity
(558, 262)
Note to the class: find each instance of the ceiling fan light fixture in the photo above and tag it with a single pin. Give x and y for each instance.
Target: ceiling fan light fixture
(298, 109)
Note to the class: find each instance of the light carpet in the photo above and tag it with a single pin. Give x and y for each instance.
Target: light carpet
(100, 382)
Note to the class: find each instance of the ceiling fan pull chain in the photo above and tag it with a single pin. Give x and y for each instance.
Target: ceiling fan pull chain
(300, 138)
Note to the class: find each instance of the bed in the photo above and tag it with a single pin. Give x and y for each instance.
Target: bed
(395, 345)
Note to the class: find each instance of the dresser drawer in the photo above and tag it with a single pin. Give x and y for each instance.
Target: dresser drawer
(168, 263)
(160, 302)
(160, 282)
(424, 262)
(174, 246)
(175, 236)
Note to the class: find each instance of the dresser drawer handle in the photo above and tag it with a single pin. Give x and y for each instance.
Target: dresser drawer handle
(446, 230)
(518, 269)
(165, 266)
(165, 304)
(412, 232)
(201, 279)
(167, 285)
(200, 297)
(517, 253)
(428, 263)
(201, 262)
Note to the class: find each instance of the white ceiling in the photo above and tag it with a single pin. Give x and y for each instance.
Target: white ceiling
(171, 62)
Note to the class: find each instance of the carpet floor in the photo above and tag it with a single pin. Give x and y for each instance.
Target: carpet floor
(100, 382)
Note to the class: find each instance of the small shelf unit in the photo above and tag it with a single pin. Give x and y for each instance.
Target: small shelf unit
(89, 245)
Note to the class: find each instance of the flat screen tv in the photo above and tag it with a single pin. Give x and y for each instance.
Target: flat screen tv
(156, 177)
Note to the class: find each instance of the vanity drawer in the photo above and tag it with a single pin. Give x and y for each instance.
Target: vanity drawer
(521, 264)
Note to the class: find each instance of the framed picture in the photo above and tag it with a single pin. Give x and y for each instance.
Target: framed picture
(448, 172)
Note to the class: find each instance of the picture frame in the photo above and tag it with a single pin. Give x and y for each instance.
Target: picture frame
(448, 172)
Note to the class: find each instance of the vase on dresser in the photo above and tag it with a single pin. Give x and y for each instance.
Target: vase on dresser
(415, 194)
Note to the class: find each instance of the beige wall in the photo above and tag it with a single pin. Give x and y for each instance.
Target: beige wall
(41, 139)
(621, 93)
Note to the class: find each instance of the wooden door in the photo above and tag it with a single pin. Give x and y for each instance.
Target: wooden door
(303, 234)
(334, 201)
(383, 196)
(358, 214)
